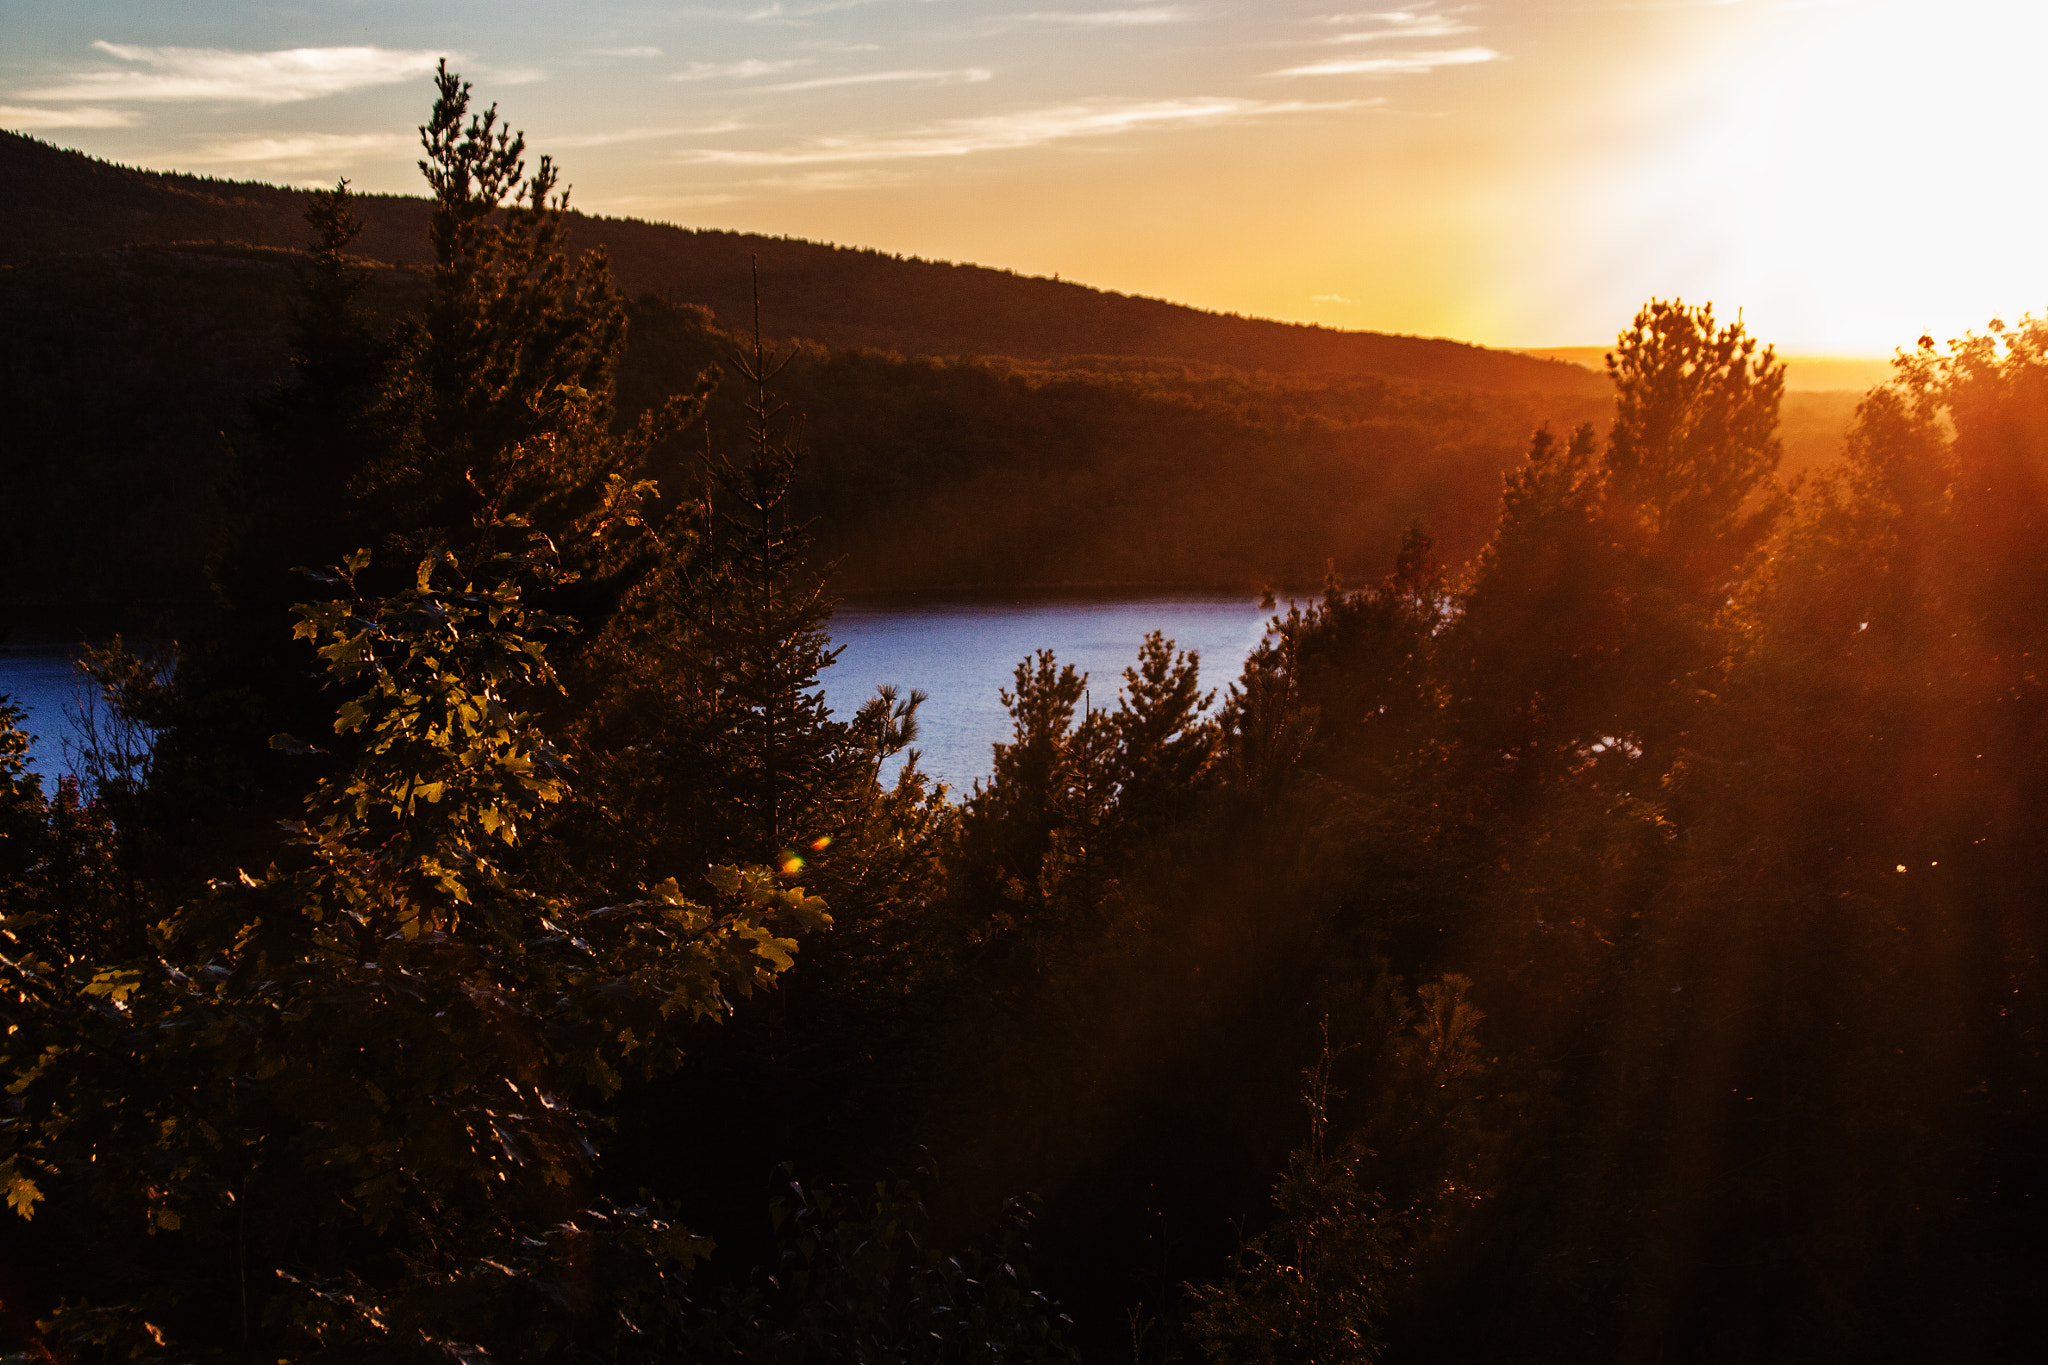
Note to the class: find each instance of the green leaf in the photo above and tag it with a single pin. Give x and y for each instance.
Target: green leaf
(22, 1194)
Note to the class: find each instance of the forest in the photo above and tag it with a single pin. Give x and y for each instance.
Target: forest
(1165, 445)
(1608, 929)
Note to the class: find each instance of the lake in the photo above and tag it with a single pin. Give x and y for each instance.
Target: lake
(962, 651)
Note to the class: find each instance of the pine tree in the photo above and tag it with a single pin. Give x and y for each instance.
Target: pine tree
(765, 625)
(1694, 442)
(342, 1111)
(719, 740)
(502, 393)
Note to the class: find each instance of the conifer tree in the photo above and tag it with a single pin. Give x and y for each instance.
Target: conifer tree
(717, 736)
(1695, 440)
(502, 392)
(342, 1111)
(1008, 824)
(764, 623)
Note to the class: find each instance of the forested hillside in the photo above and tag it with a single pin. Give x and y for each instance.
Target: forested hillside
(62, 202)
(475, 940)
(130, 374)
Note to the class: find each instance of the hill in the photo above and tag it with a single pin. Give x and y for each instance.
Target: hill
(968, 428)
(62, 201)
(127, 374)
(1803, 373)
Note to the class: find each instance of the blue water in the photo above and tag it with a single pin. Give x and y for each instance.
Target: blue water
(41, 680)
(962, 652)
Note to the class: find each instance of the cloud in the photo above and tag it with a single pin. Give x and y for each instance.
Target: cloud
(1014, 131)
(747, 70)
(1328, 298)
(301, 151)
(655, 203)
(622, 52)
(1402, 25)
(199, 73)
(1108, 18)
(643, 134)
(864, 178)
(777, 13)
(510, 75)
(22, 119)
(1393, 64)
(1394, 19)
(972, 75)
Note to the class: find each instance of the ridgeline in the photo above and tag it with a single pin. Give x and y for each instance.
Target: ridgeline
(65, 202)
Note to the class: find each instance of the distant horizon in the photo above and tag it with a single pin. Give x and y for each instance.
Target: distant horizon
(1806, 371)
(1506, 174)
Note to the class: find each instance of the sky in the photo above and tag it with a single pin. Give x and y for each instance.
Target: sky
(1849, 174)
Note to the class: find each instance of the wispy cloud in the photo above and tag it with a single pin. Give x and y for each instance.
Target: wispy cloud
(23, 119)
(1014, 131)
(811, 182)
(780, 13)
(1108, 18)
(1420, 17)
(622, 52)
(199, 73)
(1328, 298)
(972, 75)
(1393, 63)
(300, 151)
(509, 75)
(752, 68)
(1401, 25)
(644, 134)
(656, 202)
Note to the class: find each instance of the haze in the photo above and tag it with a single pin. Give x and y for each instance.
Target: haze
(1514, 174)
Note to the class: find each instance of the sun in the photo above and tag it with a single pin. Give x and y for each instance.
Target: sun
(1855, 173)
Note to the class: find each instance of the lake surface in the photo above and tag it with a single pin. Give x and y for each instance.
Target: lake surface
(960, 651)
(964, 652)
(40, 679)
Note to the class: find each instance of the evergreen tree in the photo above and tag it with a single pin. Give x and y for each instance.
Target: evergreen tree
(344, 1111)
(720, 736)
(503, 389)
(1007, 825)
(1694, 442)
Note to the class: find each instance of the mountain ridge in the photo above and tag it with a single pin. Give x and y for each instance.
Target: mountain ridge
(66, 201)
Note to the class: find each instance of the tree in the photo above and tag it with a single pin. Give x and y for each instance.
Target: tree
(1695, 440)
(343, 1108)
(709, 701)
(1163, 746)
(1357, 666)
(495, 404)
(502, 391)
(857, 1277)
(1008, 826)
(1591, 629)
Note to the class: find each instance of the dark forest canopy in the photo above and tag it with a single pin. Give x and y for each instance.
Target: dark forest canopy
(62, 202)
(129, 375)
(1625, 945)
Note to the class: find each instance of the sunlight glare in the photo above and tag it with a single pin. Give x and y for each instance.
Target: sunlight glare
(1853, 173)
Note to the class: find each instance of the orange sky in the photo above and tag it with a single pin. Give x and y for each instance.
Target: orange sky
(1849, 173)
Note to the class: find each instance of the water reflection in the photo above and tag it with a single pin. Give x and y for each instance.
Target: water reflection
(963, 651)
(960, 650)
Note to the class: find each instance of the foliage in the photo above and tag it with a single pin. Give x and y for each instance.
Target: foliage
(1319, 1282)
(857, 1278)
(1724, 801)
(1066, 802)
(356, 1080)
(1313, 1288)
